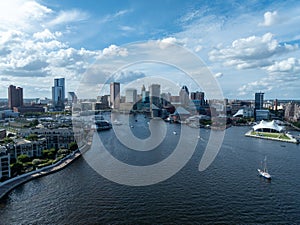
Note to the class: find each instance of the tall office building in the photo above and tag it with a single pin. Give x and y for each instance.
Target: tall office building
(115, 95)
(184, 95)
(259, 100)
(154, 90)
(58, 94)
(72, 98)
(145, 95)
(15, 96)
(198, 96)
(131, 95)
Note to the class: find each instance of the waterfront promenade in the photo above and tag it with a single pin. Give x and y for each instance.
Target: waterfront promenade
(9, 185)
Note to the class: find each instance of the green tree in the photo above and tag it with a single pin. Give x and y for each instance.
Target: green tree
(32, 137)
(34, 123)
(49, 154)
(23, 158)
(73, 146)
(62, 151)
(36, 162)
(17, 168)
(7, 140)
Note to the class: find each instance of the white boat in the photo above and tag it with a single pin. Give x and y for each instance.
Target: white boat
(116, 122)
(264, 171)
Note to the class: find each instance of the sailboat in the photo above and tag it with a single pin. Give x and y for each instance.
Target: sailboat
(264, 172)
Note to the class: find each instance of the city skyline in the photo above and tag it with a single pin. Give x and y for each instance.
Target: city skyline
(40, 41)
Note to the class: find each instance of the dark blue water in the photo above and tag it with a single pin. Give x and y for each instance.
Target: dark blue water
(229, 191)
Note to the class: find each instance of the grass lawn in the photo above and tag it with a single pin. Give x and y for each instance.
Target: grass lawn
(271, 135)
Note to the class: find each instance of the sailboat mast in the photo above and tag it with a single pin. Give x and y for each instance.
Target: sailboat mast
(265, 164)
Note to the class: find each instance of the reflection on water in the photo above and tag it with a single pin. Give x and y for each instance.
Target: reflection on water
(229, 191)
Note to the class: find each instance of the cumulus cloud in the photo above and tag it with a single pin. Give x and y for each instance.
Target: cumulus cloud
(198, 48)
(30, 47)
(114, 50)
(218, 75)
(283, 76)
(46, 35)
(270, 18)
(21, 14)
(290, 65)
(251, 52)
(127, 76)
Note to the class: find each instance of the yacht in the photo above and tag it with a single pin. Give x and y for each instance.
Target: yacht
(103, 125)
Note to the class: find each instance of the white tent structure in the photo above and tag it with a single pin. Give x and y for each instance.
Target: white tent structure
(265, 126)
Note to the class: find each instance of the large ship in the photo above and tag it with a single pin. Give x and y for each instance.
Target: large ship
(103, 125)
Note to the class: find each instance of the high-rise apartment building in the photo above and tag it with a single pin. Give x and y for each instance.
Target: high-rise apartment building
(115, 95)
(58, 94)
(15, 96)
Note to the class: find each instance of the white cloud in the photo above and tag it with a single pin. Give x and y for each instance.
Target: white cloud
(21, 14)
(218, 75)
(270, 18)
(198, 48)
(112, 17)
(31, 47)
(290, 65)
(251, 52)
(45, 34)
(114, 50)
(65, 17)
(127, 28)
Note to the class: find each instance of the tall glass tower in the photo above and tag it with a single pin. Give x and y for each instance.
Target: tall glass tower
(259, 100)
(58, 94)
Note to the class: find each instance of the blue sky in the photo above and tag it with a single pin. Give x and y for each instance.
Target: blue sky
(248, 46)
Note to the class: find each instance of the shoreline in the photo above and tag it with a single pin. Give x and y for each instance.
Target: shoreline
(7, 186)
(291, 140)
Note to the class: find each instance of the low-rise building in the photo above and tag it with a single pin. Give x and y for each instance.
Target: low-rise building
(21, 146)
(245, 112)
(262, 114)
(55, 138)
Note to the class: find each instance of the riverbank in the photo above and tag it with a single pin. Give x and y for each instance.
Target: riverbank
(263, 135)
(9, 185)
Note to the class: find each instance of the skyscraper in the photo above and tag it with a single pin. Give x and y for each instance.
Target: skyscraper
(15, 96)
(131, 95)
(72, 97)
(259, 100)
(198, 96)
(145, 95)
(115, 95)
(58, 94)
(184, 95)
(154, 94)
